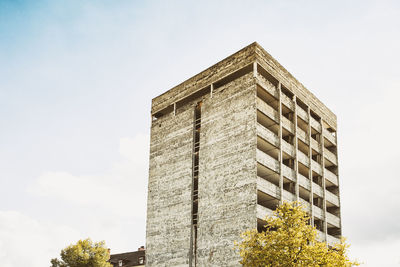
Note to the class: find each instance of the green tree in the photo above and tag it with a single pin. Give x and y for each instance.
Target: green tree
(288, 240)
(84, 253)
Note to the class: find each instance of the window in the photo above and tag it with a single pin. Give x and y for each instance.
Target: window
(141, 260)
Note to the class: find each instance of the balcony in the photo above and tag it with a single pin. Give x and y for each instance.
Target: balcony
(320, 236)
(303, 158)
(316, 125)
(306, 205)
(263, 212)
(315, 145)
(330, 137)
(267, 86)
(287, 102)
(302, 114)
(288, 148)
(287, 196)
(268, 188)
(330, 156)
(304, 182)
(288, 125)
(318, 190)
(267, 110)
(331, 177)
(318, 213)
(267, 135)
(332, 240)
(315, 166)
(333, 199)
(333, 220)
(302, 135)
(288, 172)
(267, 161)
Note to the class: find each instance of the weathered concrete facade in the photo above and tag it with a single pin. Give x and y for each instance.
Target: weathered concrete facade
(227, 146)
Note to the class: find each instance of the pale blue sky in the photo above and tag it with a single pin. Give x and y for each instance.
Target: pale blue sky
(76, 83)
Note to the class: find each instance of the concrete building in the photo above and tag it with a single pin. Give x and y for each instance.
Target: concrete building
(227, 146)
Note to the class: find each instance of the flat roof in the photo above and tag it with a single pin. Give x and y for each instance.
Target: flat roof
(239, 60)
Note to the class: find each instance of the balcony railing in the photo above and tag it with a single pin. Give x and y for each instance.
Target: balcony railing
(315, 124)
(320, 236)
(302, 114)
(288, 172)
(287, 148)
(330, 137)
(318, 213)
(330, 156)
(288, 125)
(304, 182)
(332, 240)
(330, 197)
(318, 190)
(267, 135)
(333, 220)
(268, 188)
(331, 177)
(267, 161)
(287, 102)
(302, 135)
(315, 145)
(303, 158)
(315, 166)
(287, 196)
(267, 110)
(263, 212)
(267, 86)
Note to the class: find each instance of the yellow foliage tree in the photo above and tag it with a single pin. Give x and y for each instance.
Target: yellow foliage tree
(288, 240)
(84, 253)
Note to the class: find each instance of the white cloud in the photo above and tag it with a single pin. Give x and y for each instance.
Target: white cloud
(25, 241)
(116, 191)
(108, 207)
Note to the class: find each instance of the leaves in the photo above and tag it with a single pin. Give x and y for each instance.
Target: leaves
(84, 253)
(288, 240)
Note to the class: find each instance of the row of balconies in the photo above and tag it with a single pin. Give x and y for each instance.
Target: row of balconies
(289, 149)
(272, 164)
(275, 192)
(289, 126)
(290, 104)
(267, 154)
(263, 212)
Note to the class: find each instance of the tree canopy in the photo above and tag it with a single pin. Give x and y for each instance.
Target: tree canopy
(84, 253)
(288, 240)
